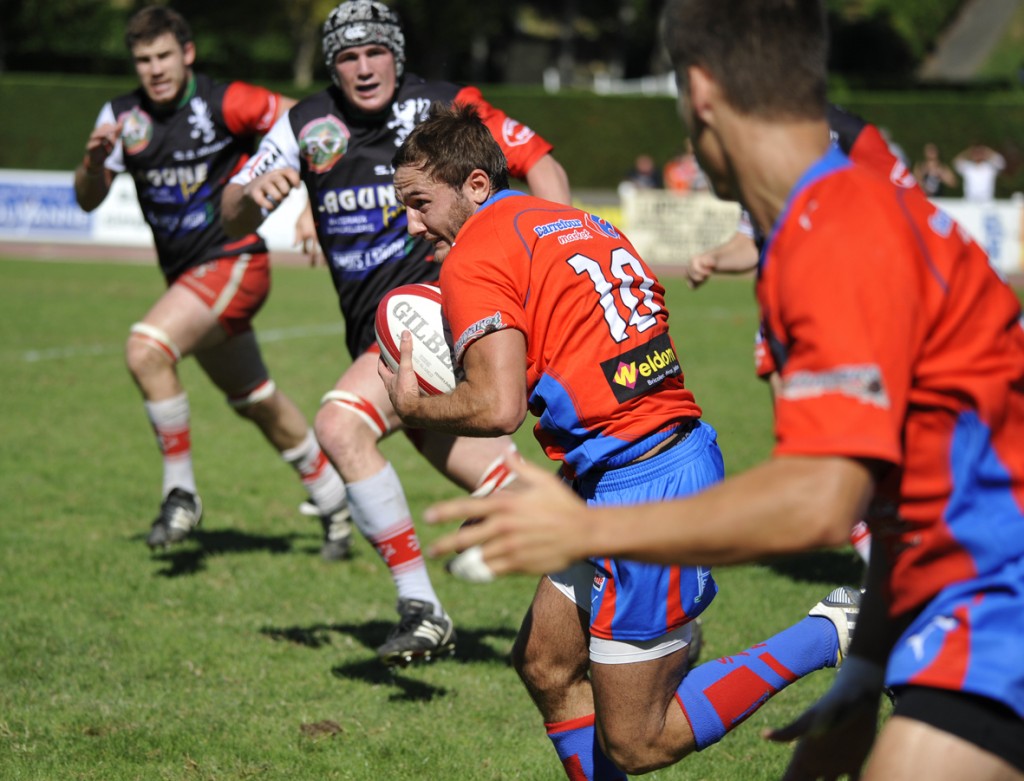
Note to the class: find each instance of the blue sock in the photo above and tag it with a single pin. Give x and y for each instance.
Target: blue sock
(582, 758)
(718, 695)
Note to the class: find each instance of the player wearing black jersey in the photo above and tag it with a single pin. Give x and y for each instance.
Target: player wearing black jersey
(181, 135)
(339, 144)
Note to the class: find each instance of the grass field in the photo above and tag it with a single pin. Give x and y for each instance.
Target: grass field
(242, 655)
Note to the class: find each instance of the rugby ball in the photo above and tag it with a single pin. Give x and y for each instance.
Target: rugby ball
(417, 309)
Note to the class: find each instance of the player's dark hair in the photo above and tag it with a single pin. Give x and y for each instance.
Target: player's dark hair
(769, 56)
(152, 22)
(450, 144)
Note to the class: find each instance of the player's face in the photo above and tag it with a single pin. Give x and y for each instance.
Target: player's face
(367, 76)
(163, 66)
(706, 148)
(436, 211)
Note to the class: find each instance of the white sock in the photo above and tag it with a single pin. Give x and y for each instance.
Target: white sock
(381, 513)
(170, 421)
(323, 483)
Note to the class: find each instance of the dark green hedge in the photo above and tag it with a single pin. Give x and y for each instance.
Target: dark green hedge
(49, 117)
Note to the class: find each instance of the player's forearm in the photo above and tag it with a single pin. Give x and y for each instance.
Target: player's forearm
(548, 180)
(784, 506)
(467, 411)
(91, 185)
(240, 214)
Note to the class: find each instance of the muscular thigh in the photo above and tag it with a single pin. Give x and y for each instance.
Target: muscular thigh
(632, 700)
(552, 645)
(234, 364)
(909, 750)
(186, 320)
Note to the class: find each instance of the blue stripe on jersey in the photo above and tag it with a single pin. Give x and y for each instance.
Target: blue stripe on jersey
(559, 424)
(982, 491)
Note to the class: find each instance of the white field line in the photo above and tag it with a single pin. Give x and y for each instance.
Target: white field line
(264, 337)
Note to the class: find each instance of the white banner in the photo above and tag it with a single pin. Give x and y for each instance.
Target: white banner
(41, 206)
(668, 228)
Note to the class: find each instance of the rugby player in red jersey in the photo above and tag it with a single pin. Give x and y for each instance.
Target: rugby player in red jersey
(551, 310)
(901, 360)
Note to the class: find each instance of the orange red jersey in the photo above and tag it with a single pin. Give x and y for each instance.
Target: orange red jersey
(898, 343)
(603, 374)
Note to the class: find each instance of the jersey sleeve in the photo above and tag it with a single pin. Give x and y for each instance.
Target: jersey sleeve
(115, 160)
(248, 109)
(278, 149)
(521, 145)
(483, 289)
(848, 330)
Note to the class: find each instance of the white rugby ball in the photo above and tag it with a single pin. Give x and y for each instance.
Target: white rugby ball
(417, 309)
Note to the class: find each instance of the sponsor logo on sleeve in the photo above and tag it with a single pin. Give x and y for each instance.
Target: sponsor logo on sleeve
(515, 133)
(862, 382)
(323, 142)
(642, 369)
(480, 328)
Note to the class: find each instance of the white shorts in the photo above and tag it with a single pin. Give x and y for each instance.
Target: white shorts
(576, 583)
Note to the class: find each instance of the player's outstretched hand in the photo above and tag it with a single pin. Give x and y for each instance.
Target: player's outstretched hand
(305, 237)
(700, 268)
(269, 190)
(836, 732)
(536, 527)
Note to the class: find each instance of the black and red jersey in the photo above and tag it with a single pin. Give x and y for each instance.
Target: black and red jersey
(182, 157)
(344, 160)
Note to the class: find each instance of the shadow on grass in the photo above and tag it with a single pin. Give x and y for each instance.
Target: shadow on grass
(830, 568)
(190, 556)
(472, 648)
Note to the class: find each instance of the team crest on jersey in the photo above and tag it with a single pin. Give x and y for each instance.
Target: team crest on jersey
(136, 130)
(323, 142)
(201, 121)
(515, 133)
(406, 115)
(641, 369)
(601, 225)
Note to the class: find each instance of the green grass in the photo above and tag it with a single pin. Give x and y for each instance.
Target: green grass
(242, 655)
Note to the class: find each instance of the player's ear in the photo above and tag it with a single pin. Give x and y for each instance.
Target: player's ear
(190, 53)
(702, 90)
(477, 186)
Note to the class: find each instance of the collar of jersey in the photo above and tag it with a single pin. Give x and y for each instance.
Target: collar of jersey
(498, 196)
(833, 160)
(188, 93)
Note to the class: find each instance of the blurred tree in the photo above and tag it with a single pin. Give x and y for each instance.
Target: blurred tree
(461, 40)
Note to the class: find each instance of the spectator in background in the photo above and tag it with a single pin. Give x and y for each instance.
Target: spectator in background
(934, 176)
(979, 166)
(682, 174)
(644, 175)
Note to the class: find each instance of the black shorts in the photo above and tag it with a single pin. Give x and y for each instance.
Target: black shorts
(989, 725)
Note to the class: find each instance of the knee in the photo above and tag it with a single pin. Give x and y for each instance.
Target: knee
(149, 350)
(542, 669)
(637, 746)
(343, 434)
(260, 404)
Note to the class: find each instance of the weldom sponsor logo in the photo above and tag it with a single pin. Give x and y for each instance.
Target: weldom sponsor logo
(641, 369)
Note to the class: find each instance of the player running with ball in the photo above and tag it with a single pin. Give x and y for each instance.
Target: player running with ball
(552, 311)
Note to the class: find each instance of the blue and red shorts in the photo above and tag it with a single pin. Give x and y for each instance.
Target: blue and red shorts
(635, 601)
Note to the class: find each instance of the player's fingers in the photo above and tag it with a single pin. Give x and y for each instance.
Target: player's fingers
(405, 348)
(795, 729)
